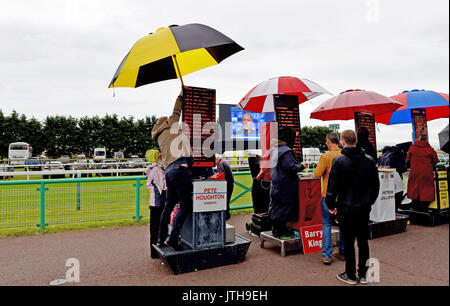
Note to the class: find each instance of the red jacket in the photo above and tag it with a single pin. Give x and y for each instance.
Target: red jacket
(421, 176)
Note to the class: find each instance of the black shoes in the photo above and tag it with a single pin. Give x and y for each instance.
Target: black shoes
(344, 278)
(174, 245)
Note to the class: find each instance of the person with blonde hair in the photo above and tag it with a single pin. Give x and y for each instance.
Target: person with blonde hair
(156, 184)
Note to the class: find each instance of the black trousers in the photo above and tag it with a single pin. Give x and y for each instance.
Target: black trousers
(155, 217)
(279, 229)
(179, 190)
(260, 196)
(354, 224)
(230, 188)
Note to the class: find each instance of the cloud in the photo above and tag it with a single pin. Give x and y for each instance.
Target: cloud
(58, 57)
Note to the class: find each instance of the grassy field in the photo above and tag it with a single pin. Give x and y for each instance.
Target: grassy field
(98, 204)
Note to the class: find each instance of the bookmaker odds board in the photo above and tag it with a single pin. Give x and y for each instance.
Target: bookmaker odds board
(199, 108)
(367, 119)
(287, 114)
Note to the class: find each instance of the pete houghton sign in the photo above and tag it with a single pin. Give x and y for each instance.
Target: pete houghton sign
(209, 195)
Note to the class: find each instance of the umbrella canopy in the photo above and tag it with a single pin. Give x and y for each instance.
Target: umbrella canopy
(171, 53)
(443, 140)
(435, 104)
(260, 98)
(344, 105)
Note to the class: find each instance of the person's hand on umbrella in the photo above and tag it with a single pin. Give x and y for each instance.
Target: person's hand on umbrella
(334, 211)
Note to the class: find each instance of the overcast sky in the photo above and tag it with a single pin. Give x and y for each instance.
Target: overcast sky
(58, 57)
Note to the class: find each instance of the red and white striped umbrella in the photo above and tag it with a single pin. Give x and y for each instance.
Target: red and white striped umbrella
(260, 98)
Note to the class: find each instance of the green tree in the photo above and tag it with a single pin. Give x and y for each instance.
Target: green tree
(33, 134)
(89, 134)
(110, 134)
(314, 137)
(13, 129)
(128, 135)
(60, 135)
(3, 140)
(143, 137)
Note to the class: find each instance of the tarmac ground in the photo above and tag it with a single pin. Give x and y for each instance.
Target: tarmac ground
(120, 257)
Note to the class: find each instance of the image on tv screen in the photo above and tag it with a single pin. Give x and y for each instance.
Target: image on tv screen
(245, 124)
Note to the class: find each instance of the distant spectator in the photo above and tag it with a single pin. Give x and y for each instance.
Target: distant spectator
(364, 143)
(421, 188)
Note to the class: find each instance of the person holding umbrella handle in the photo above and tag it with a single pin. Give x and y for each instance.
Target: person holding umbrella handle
(176, 157)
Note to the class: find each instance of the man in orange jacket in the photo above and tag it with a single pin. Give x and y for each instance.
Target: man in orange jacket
(323, 170)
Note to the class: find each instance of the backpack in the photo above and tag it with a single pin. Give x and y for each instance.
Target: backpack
(393, 157)
(386, 159)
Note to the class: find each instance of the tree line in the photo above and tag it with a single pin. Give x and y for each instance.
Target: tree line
(60, 135)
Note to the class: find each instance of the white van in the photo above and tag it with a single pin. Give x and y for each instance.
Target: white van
(18, 152)
(99, 154)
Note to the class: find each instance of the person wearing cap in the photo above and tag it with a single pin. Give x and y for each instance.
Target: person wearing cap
(156, 184)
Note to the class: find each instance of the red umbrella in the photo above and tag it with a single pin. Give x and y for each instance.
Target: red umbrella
(344, 105)
(260, 98)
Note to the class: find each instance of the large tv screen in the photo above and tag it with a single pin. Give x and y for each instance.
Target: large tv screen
(245, 124)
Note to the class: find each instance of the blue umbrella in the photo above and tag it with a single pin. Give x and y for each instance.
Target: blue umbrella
(435, 104)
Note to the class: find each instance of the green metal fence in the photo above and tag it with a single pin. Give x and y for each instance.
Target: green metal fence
(25, 204)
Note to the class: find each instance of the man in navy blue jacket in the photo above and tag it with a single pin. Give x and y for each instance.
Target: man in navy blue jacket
(283, 205)
(353, 188)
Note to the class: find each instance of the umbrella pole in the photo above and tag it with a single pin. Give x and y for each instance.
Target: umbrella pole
(178, 69)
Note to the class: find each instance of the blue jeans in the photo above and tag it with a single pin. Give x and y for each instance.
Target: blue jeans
(179, 190)
(327, 243)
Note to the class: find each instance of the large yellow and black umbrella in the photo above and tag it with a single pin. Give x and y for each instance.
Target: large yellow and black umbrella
(171, 53)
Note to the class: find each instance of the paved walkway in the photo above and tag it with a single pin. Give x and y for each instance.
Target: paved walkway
(420, 256)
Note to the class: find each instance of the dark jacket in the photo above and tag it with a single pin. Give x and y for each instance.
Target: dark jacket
(421, 177)
(368, 147)
(353, 183)
(284, 189)
(223, 167)
(393, 157)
